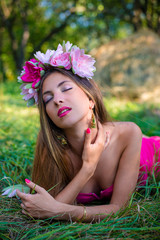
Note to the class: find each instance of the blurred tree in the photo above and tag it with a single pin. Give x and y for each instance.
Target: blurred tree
(137, 13)
(23, 23)
(27, 26)
(143, 13)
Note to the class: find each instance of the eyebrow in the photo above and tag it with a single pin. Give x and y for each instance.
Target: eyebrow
(60, 84)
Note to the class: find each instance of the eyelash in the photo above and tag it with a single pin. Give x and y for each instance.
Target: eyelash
(48, 100)
(65, 90)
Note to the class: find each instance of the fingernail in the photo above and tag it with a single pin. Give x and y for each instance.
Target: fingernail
(88, 130)
(27, 180)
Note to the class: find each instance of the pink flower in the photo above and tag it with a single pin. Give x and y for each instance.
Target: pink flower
(32, 72)
(82, 64)
(33, 60)
(61, 60)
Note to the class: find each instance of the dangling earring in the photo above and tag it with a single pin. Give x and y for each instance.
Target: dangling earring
(62, 140)
(93, 120)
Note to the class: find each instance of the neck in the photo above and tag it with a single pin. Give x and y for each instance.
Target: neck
(76, 136)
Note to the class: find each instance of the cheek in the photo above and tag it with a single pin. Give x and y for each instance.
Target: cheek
(85, 104)
(50, 112)
(83, 107)
(82, 98)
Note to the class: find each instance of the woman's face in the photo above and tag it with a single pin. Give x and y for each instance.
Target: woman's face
(66, 103)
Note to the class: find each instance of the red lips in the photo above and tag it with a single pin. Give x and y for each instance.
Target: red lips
(63, 111)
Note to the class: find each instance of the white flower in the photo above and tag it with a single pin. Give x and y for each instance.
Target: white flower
(44, 57)
(29, 93)
(11, 190)
(7, 191)
(68, 46)
(12, 194)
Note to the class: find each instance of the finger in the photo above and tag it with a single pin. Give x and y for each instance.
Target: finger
(33, 186)
(24, 212)
(21, 195)
(23, 206)
(107, 139)
(87, 140)
(100, 134)
(100, 128)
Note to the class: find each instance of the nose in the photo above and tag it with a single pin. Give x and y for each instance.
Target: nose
(57, 99)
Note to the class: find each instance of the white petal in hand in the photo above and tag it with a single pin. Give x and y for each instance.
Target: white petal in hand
(38, 205)
(11, 190)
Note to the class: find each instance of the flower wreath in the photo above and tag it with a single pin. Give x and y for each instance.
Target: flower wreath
(66, 56)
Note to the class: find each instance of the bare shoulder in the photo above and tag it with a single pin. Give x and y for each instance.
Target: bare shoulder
(123, 129)
(129, 129)
(123, 133)
(123, 136)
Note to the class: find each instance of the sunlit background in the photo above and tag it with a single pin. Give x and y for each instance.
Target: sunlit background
(124, 38)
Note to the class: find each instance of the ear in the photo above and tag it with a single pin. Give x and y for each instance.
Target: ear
(91, 104)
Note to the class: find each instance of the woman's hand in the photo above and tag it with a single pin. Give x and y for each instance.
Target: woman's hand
(38, 205)
(92, 151)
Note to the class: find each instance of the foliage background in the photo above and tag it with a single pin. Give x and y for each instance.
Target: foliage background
(27, 26)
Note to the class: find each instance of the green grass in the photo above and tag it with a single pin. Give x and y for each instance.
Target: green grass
(18, 130)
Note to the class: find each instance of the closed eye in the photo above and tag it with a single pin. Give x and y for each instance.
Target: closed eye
(67, 89)
(48, 99)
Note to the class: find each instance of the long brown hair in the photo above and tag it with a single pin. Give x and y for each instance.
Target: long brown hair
(52, 166)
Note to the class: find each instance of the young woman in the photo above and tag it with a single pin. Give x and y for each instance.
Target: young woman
(81, 156)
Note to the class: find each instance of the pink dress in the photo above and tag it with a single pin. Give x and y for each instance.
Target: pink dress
(149, 162)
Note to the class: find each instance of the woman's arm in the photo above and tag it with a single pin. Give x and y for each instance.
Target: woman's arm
(128, 170)
(70, 192)
(90, 157)
(43, 205)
